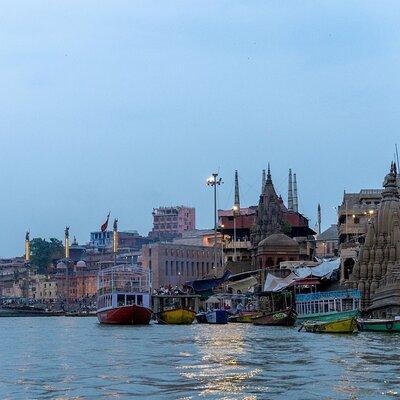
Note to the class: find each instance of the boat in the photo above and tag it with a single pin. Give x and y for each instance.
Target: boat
(285, 317)
(244, 317)
(123, 296)
(328, 317)
(327, 306)
(175, 309)
(217, 316)
(378, 325)
(345, 325)
(201, 317)
(22, 310)
(177, 316)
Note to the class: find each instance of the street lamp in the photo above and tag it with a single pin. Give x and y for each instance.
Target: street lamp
(214, 181)
(235, 212)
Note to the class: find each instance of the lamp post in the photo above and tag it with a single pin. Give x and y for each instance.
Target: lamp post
(214, 181)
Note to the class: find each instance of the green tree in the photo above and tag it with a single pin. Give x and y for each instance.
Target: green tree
(43, 252)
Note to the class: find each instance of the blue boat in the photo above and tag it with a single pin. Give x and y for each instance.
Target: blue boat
(217, 316)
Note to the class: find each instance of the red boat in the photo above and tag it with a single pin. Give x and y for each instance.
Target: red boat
(123, 296)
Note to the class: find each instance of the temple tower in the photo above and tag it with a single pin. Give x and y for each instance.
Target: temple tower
(295, 198)
(290, 192)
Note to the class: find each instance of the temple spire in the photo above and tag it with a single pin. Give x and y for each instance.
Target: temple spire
(269, 179)
(263, 181)
(319, 219)
(290, 192)
(237, 198)
(295, 198)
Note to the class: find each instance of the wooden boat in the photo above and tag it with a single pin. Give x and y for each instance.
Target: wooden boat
(346, 325)
(378, 325)
(217, 316)
(328, 317)
(285, 317)
(123, 296)
(175, 309)
(177, 316)
(244, 317)
(201, 318)
(27, 311)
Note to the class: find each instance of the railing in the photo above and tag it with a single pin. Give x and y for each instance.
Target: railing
(336, 294)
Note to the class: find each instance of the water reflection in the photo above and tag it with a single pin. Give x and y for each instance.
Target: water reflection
(65, 358)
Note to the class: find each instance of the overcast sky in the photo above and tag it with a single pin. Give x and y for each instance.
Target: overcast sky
(128, 105)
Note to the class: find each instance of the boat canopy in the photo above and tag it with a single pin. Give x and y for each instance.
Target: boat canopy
(203, 285)
(324, 270)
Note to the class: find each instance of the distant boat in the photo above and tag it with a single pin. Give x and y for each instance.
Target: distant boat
(379, 325)
(285, 317)
(217, 316)
(123, 296)
(201, 317)
(346, 325)
(175, 309)
(177, 316)
(244, 317)
(27, 311)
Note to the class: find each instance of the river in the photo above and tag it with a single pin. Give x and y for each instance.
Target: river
(76, 358)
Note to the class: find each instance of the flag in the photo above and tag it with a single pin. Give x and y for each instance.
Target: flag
(103, 228)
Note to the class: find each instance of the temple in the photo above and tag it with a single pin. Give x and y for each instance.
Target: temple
(377, 272)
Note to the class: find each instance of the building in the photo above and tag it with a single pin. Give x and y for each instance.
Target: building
(171, 222)
(175, 264)
(354, 215)
(327, 242)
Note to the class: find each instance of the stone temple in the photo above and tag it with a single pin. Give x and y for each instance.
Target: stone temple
(377, 272)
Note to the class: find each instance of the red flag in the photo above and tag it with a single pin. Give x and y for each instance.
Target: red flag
(103, 228)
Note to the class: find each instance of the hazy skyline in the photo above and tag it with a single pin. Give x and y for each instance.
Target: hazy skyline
(126, 106)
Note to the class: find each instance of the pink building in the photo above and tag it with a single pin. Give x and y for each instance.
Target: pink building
(171, 222)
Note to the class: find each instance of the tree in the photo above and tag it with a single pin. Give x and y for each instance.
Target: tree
(43, 252)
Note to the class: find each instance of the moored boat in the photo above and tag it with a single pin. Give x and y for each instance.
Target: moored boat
(244, 317)
(175, 309)
(285, 317)
(346, 325)
(177, 316)
(201, 317)
(378, 325)
(327, 317)
(123, 296)
(217, 316)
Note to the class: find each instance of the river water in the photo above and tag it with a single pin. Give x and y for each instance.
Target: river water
(76, 358)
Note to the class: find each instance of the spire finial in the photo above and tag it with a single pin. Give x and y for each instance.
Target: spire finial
(319, 219)
(263, 181)
(269, 179)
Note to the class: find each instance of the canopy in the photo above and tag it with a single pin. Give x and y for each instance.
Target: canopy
(203, 285)
(324, 270)
(244, 285)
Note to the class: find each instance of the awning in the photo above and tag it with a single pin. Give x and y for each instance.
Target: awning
(244, 285)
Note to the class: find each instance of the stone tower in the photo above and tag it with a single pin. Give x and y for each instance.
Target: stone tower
(377, 272)
(269, 215)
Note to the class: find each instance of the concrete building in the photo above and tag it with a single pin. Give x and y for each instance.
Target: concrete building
(171, 222)
(327, 242)
(174, 264)
(354, 215)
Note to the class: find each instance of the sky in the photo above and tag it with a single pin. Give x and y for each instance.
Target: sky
(129, 105)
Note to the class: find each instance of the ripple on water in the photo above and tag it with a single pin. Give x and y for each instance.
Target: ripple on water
(67, 358)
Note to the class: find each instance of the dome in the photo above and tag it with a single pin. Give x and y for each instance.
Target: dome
(278, 240)
(81, 264)
(61, 265)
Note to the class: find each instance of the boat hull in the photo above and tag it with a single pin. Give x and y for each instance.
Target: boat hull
(125, 315)
(201, 318)
(244, 318)
(217, 317)
(327, 317)
(179, 316)
(348, 325)
(281, 318)
(378, 325)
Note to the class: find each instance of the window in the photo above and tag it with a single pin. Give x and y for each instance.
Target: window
(166, 268)
(121, 300)
(139, 299)
(130, 299)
